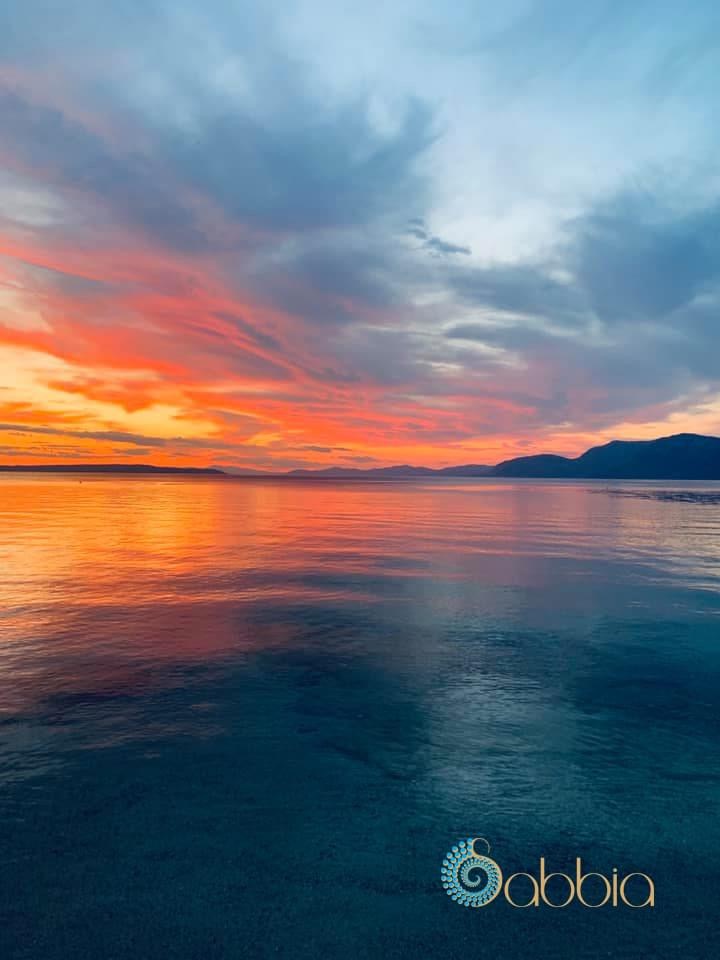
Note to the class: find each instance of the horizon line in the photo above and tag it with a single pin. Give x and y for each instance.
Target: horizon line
(230, 471)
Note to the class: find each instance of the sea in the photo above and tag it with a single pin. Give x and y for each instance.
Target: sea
(250, 717)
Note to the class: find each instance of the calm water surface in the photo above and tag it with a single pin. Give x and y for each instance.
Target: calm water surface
(247, 718)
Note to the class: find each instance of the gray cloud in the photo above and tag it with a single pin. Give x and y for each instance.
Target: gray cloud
(636, 260)
(129, 186)
(432, 243)
(442, 247)
(325, 168)
(283, 158)
(597, 318)
(633, 325)
(117, 436)
(525, 289)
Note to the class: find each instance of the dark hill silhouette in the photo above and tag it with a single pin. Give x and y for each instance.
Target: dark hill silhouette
(684, 456)
(140, 469)
(401, 472)
(542, 465)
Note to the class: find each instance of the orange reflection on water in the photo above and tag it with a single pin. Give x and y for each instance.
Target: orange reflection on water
(103, 574)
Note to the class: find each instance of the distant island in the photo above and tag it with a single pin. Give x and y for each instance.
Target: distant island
(395, 473)
(684, 456)
(133, 468)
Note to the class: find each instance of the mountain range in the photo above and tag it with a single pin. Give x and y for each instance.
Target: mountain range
(684, 456)
(394, 473)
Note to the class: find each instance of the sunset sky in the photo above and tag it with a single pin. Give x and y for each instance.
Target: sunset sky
(283, 234)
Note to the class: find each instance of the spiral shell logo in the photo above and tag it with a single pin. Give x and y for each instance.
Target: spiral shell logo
(474, 880)
(470, 878)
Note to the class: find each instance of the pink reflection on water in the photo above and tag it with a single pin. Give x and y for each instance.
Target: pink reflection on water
(104, 577)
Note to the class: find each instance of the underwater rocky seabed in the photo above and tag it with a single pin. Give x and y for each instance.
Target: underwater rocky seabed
(249, 719)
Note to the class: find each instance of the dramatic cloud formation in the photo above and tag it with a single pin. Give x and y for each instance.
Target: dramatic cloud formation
(266, 235)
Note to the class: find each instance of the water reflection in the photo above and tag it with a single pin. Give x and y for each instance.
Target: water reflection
(191, 665)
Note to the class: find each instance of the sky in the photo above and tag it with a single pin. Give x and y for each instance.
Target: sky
(269, 235)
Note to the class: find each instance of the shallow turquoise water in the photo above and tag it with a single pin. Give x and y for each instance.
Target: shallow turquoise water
(248, 718)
